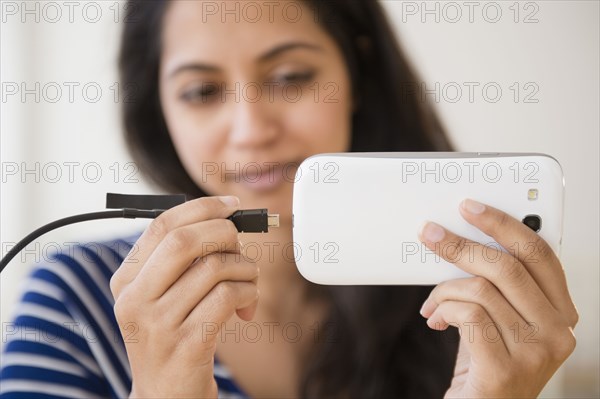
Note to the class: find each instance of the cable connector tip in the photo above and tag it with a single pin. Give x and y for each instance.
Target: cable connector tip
(254, 220)
(273, 220)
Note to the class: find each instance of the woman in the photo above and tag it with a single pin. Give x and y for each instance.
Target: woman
(219, 86)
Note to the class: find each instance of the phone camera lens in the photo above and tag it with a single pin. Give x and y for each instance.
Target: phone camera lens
(534, 222)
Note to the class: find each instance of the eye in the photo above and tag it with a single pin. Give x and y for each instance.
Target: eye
(296, 77)
(201, 93)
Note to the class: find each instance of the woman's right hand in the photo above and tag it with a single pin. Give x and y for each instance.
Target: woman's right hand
(184, 278)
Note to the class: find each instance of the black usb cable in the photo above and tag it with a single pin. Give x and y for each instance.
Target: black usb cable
(147, 207)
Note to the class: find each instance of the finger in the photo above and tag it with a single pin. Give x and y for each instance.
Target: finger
(529, 248)
(218, 306)
(502, 269)
(475, 290)
(477, 330)
(480, 291)
(176, 252)
(197, 281)
(193, 211)
(248, 312)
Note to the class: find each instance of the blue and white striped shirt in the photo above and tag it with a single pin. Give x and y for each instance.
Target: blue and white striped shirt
(64, 341)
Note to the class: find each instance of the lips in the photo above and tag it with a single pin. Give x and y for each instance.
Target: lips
(261, 177)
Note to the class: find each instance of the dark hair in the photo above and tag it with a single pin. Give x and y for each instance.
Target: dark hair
(376, 344)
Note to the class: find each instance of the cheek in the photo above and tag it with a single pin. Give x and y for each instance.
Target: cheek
(324, 125)
(195, 141)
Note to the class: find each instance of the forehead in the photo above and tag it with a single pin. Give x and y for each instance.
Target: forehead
(217, 28)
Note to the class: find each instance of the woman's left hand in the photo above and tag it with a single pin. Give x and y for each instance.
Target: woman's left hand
(515, 317)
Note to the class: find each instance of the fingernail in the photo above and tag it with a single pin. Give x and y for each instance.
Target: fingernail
(473, 207)
(230, 200)
(241, 248)
(434, 325)
(427, 308)
(421, 310)
(432, 232)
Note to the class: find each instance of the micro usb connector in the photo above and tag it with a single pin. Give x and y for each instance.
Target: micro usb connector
(254, 220)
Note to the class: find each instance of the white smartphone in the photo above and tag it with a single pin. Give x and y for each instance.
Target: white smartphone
(356, 216)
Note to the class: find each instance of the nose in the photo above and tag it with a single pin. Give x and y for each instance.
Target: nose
(253, 125)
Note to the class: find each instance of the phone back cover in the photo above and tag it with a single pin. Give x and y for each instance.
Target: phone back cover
(356, 216)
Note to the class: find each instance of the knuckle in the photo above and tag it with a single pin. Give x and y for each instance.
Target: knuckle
(212, 264)
(118, 310)
(571, 342)
(480, 287)
(513, 272)
(541, 248)
(177, 240)
(158, 227)
(502, 223)
(131, 255)
(115, 284)
(439, 293)
(503, 220)
(574, 319)
(123, 307)
(224, 293)
(475, 314)
(455, 249)
(564, 346)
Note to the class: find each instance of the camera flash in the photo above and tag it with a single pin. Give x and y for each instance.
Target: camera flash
(532, 194)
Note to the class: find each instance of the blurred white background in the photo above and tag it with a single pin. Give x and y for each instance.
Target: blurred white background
(543, 55)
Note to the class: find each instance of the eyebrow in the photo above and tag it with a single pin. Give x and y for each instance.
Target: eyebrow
(272, 53)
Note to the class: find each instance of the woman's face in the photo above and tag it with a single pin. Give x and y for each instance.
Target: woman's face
(248, 96)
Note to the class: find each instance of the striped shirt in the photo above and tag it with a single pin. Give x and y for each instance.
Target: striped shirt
(64, 340)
